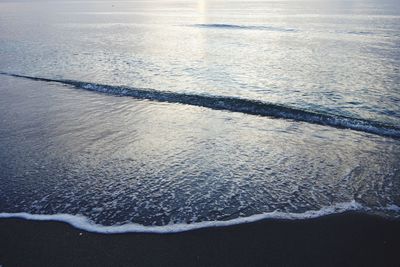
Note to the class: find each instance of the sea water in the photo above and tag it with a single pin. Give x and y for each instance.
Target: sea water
(173, 115)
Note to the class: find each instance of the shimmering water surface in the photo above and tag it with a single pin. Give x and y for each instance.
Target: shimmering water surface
(164, 112)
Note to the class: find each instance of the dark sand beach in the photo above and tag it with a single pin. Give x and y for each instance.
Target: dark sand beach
(349, 239)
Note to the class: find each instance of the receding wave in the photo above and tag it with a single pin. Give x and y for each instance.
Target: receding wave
(81, 222)
(234, 104)
(243, 27)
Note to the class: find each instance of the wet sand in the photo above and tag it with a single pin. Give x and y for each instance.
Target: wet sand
(349, 239)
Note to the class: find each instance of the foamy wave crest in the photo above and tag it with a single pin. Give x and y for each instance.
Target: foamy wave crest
(234, 104)
(242, 27)
(85, 224)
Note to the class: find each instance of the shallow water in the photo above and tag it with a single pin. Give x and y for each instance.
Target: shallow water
(119, 160)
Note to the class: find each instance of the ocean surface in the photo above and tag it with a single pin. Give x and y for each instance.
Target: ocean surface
(172, 115)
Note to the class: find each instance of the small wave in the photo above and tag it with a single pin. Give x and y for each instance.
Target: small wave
(360, 33)
(83, 223)
(247, 106)
(355, 32)
(243, 27)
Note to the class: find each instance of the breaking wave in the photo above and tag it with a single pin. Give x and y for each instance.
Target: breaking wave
(234, 104)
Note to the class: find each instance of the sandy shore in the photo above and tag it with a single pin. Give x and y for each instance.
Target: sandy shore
(349, 239)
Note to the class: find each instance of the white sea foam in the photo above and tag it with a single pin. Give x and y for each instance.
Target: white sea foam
(85, 224)
(392, 207)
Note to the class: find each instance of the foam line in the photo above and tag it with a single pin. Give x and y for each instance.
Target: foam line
(85, 224)
(247, 106)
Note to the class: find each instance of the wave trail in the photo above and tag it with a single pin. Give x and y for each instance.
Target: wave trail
(247, 106)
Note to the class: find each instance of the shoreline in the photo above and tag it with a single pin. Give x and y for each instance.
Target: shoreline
(346, 239)
(83, 223)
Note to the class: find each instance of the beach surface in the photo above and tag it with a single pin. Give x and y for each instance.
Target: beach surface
(277, 121)
(348, 239)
